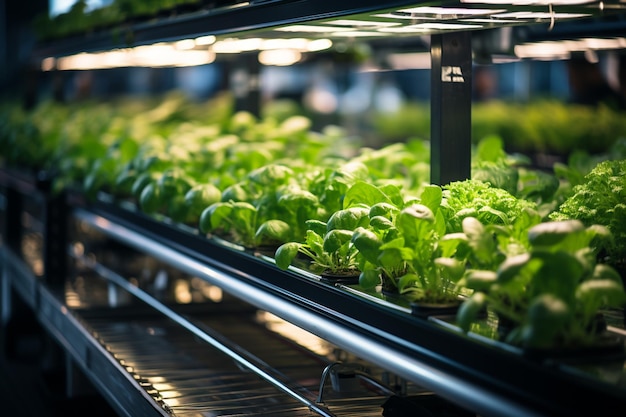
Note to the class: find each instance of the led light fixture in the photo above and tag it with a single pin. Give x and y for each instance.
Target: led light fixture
(296, 39)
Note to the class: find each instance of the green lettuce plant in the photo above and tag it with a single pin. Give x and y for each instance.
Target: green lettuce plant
(402, 251)
(237, 221)
(262, 210)
(328, 245)
(474, 198)
(550, 295)
(601, 199)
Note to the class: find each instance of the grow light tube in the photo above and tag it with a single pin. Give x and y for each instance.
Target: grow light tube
(158, 55)
(361, 23)
(446, 14)
(279, 57)
(530, 2)
(357, 33)
(443, 12)
(540, 15)
(410, 60)
(311, 29)
(187, 52)
(563, 49)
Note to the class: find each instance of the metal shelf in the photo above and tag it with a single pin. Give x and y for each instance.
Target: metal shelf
(109, 376)
(257, 16)
(249, 17)
(478, 375)
(425, 352)
(148, 359)
(472, 372)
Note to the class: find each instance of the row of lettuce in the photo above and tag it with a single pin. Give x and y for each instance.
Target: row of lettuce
(539, 249)
(540, 127)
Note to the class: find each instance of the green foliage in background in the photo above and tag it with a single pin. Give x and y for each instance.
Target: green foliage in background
(80, 19)
(541, 126)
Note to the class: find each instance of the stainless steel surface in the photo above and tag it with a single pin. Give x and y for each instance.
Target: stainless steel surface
(462, 391)
(191, 377)
(184, 323)
(179, 368)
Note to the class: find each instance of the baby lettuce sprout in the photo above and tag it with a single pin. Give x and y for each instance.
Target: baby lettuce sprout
(272, 233)
(328, 245)
(242, 121)
(195, 201)
(333, 186)
(331, 253)
(368, 244)
(172, 187)
(553, 233)
(482, 243)
(295, 206)
(349, 219)
(236, 192)
(124, 181)
(470, 309)
(547, 316)
(174, 182)
(294, 125)
(385, 210)
(150, 199)
(271, 175)
(235, 219)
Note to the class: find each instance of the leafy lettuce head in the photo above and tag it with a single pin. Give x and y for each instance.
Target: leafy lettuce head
(475, 198)
(601, 199)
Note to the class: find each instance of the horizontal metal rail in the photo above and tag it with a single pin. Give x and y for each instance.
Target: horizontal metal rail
(464, 392)
(121, 282)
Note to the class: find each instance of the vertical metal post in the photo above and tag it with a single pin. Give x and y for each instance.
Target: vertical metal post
(245, 84)
(450, 107)
(13, 230)
(55, 239)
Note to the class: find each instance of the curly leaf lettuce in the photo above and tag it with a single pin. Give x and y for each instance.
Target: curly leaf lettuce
(479, 199)
(601, 199)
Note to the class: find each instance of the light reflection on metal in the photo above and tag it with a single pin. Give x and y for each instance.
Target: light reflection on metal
(205, 40)
(38, 268)
(361, 23)
(300, 336)
(189, 52)
(310, 29)
(79, 249)
(181, 292)
(157, 55)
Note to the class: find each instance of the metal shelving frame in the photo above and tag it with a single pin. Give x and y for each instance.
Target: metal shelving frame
(479, 376)
(488, 379)
(451, 54)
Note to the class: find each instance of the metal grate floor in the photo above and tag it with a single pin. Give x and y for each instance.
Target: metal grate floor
(195, 379)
